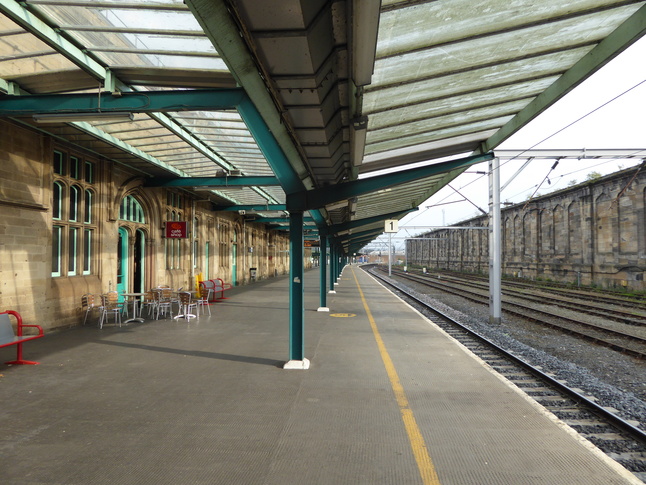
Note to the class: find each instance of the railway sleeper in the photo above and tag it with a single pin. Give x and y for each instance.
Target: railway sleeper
(582, 422)
(552, 401)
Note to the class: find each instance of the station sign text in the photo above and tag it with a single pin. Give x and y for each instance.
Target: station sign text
(176, 229)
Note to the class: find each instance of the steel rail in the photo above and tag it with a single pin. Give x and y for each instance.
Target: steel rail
(482, 299)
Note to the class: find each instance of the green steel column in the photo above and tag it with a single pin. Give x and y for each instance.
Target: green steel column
(337, 265)
(332, 266)
(296, 293)
(323, 276)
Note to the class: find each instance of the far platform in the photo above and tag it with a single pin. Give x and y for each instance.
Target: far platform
(389, 398)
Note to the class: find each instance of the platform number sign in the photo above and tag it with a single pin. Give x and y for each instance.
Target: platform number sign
(392, 225)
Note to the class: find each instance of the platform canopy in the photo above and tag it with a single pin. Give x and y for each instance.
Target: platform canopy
(287, 105)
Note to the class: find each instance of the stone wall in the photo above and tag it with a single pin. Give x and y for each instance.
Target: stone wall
(592, 233)
(28, 283)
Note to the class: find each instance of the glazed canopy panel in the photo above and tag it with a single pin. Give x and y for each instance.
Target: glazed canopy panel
(448, 80)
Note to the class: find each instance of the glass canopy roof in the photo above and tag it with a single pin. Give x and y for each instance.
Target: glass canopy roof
(448, 80)
(143, 44)
(446, 70)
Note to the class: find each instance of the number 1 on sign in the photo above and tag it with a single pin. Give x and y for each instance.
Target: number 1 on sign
(392, 225)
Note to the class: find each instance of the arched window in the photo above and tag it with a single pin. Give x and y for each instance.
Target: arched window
(73, 215)
(131, 210)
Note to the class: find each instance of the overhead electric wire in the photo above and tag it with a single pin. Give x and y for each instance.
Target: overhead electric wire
(554, 134)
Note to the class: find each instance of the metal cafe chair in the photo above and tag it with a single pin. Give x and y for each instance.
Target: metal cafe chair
(163, 303)
(148, 303)
(89, 303)
(203, 301)
(111, 305)
(186, 304)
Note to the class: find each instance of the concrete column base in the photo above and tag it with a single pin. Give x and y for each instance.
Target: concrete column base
(297, 364)
(331, 292)
(322, 309)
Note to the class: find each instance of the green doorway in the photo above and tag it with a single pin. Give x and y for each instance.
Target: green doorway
(122, 262)
(138, 262)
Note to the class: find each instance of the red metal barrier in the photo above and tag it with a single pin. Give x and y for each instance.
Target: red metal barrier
(7, 336)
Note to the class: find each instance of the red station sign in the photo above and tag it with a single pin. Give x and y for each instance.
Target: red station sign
(176, 229)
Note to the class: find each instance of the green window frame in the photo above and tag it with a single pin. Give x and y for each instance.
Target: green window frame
(87, 251)
(57, 200)
(57, 250)
(87, 206)
(74, 197)
(89, 172)
(59, 162)
(75, 167)
(72, 248)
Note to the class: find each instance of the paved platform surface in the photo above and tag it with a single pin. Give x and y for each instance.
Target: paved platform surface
(389, 399)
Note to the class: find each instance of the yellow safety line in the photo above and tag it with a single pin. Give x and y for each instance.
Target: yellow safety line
(423, 459)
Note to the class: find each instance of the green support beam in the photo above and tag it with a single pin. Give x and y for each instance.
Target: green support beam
(130, 102)
(296, 289)
(214, 16)
(333, 264)
(57, 40)
(215, 182)
(267, 128)
(317, 198)
(270, 148)
(281, 219)
(323, 276)
(257, 208)
(318, 217)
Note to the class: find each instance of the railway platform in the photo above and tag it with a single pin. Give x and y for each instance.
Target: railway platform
(389, 399)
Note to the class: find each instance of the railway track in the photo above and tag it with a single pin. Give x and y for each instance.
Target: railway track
(624, 339)
(623, 441)
(629, 304)
(628, 311)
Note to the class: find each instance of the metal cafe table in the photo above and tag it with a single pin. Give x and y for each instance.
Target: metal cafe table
(135, 298)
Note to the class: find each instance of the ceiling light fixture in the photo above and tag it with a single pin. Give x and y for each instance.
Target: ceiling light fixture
(48, 118)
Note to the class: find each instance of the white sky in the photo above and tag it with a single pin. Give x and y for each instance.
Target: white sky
(619, 124)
